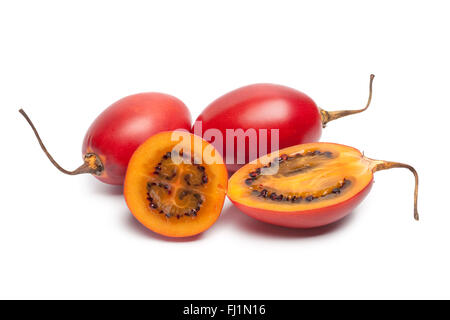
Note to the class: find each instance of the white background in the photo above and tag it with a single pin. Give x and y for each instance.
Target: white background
(73, 237)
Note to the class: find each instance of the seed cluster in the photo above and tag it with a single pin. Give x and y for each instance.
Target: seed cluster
(168, 210)
(157, 191)
(298, 197)
(273, 195)
(198, 199)
(194, 180)
(167, 173)
(283, 158)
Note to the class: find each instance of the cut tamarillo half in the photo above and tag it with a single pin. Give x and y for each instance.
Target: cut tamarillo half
(252, 118)
(308, 185)
(120, 129)
(176, 184)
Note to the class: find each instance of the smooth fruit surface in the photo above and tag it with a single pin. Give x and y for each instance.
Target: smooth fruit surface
(121, 128)
(290, 112)
(174, 186)
(303, 186)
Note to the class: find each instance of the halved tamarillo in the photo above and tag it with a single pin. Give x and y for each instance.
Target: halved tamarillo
(176, 184)
(308, 185)
(252, 118)
(120, 129)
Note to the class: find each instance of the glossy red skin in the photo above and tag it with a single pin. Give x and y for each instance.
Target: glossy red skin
(264, 106)
(122, 127)
(308, 218)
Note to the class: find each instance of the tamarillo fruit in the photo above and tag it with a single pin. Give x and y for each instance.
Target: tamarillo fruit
(308, 185)
(263, 114)
(176, 184)
(120, 129)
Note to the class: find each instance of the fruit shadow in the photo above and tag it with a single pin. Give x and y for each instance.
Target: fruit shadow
(100, 188)
(234, 217)
(137, 228)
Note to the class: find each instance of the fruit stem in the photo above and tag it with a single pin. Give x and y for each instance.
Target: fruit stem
(92, 163)
(328, 116)
(384, 165)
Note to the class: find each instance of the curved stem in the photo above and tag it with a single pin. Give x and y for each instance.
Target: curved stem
(328, 116)
(384, 165)
(92, 163)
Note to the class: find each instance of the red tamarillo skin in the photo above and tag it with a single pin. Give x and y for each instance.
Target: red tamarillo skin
(121, 128)
(278, 109)
(264, 106)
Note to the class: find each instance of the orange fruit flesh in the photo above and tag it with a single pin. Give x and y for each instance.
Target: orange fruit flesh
(171, 188)
(308, 176)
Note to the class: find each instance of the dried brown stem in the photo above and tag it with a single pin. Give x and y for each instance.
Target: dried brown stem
(328, 116)
(92, 163)
(384, 165)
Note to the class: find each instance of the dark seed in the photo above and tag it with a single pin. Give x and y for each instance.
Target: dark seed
(168, 215)
(205, 179)
(280, 197)
(186, 178)
(327, 154)
(199, 198)
(178, 216)
(297, 199)
(273, 196)
(317, 152)
(263, 193)
(309, 198)
(201, 168)
(253, 174)
(167, 155)
(336, 190)
(153, 206)
(182, 194)
(249, 182)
